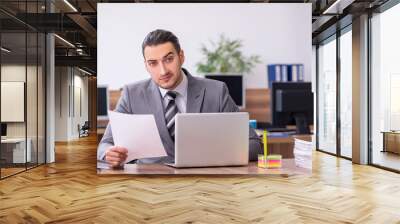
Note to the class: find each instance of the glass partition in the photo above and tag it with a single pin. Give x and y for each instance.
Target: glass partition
(327, 96)
(22, 77)
(346, 93)
(385, 89)
(13, 103)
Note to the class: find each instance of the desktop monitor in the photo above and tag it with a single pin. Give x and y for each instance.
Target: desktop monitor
(3, 129)
(292, 104)
(102, 102)
(235, 86)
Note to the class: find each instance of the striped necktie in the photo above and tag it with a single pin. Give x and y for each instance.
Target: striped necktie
(170, 113)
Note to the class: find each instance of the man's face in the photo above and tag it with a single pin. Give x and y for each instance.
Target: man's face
(164, 64)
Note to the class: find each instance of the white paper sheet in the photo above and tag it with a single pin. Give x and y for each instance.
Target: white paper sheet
(138, 133)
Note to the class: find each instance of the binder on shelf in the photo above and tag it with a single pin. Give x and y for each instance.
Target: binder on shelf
(301, 72)
(278, 75)
(285, 73)
(274, 74)
(294, 73)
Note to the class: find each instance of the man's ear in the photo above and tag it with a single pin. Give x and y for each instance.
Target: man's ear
(182, 56)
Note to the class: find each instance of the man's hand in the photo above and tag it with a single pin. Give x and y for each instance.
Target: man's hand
(116, 156)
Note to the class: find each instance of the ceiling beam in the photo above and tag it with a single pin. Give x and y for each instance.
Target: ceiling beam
(83, 61)
(83, 23)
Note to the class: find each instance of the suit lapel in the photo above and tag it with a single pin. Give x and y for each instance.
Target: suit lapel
(195, 97)
(153, 97)
(195, 94)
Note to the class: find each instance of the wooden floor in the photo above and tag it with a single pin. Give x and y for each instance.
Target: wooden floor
(10, 171)
(70, 191)
(386, 159)
(5, 172)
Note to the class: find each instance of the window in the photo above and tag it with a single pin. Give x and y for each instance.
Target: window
(346, 93)
(22, 77)
(327, 96)
(385, 88)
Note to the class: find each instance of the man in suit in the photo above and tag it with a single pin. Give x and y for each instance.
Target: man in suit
(170, 90)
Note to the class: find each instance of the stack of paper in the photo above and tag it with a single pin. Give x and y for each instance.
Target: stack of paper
(303, 153)
(138, 133)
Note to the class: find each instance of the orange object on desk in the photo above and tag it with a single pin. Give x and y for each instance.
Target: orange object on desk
(270, 161)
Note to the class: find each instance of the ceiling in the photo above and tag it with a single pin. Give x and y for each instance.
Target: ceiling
(76, 21)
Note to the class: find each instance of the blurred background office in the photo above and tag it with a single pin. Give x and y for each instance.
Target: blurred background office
(246, 57)
(346, 60)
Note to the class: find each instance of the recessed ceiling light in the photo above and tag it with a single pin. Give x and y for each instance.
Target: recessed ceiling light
(337, 7)
(5, 50)
(84, 71)
(64, 40)
(70, 5)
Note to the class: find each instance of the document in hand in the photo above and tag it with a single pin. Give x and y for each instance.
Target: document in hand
(138, 133)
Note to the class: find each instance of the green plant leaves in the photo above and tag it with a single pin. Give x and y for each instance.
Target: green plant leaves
(226, 57)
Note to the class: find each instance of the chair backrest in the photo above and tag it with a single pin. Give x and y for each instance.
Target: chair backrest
(86, 125)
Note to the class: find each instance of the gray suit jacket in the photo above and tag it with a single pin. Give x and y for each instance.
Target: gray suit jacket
(204, 96)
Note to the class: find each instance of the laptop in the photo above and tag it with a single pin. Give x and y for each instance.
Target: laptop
(211, 139)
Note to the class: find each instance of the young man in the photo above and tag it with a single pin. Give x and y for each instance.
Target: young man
(170, 90)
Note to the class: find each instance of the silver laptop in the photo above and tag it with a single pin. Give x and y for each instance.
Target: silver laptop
(211, 139)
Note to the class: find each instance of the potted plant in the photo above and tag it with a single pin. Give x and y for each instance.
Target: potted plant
(226, 57)
(226, 62)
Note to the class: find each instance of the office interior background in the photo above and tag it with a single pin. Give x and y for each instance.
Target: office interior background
(49, 82)
(48, 75)
(283, 43)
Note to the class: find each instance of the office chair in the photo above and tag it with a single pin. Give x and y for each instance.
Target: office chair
(84, 130)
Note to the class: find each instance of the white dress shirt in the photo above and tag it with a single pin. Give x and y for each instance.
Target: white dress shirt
(181, 96)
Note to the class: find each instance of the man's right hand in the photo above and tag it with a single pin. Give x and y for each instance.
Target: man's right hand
(116, 156)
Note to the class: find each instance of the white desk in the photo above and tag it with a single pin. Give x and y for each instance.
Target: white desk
(289, 168)
(18, 151)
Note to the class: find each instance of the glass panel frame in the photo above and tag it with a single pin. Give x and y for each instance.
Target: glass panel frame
(384, 88)
(345, 108)
(333, 126)
(326, 111)
(26, 62)
(13, 75)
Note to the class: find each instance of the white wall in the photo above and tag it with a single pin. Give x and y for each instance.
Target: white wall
(33, 126)
(278, 33)
(84, 85)
(12, 73)
(80, 102)
(67, 114)
(17, 73)
(61, 103)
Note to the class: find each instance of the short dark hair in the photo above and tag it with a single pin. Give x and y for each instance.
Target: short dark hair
(159, 36)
